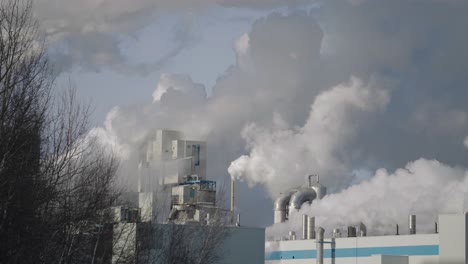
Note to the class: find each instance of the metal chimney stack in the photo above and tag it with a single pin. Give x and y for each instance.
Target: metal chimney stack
(412, 224)
(292, 235)
(336, 233)
(310, 227)
(362, 230)
(319, 243)
(351, 231)
(304, 226)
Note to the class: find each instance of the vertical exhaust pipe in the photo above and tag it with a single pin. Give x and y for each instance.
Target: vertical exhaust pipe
(292, 235)
(362, 230)
(412, 224)
(232, 201)
(319, 243)
(336, 233)
(310, 179)
(351, 231)
(310, 227)
(304, 226)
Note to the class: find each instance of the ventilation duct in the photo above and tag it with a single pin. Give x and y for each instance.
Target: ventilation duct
(412, 224)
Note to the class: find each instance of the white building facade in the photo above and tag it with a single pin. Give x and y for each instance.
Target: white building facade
(449, 246)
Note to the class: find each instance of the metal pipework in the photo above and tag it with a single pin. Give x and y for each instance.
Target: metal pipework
(351, 231)
(281, 207)
(319, 244)
(312, 176)
(304, 226)
(310, 227)
(232, 201)
(412, 224)
(319, 189)
(362, 230)
(301, 196)
(238, 220)
(336, 233)
(292, 235)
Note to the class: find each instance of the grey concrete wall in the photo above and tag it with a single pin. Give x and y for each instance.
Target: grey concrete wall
(245, 246)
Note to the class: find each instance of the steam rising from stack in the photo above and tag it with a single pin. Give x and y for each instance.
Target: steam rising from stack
(424, 187)
(311, 114)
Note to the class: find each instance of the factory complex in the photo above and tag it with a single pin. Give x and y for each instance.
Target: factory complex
(447, 246)
(181, 195)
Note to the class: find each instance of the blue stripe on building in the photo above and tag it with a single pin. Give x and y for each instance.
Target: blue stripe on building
(426, 250)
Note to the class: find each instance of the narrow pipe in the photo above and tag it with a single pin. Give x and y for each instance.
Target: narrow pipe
(412, 224)
(351, 231)
(304, 226)
(232, 201)
(292, 235)
(311, 227)
(319, 243)
(362, 230)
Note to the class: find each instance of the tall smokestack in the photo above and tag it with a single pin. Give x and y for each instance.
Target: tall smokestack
(351, 231)
(319, 243)
(310, 227)
(362, 230)
(232, 201)
(412, 224)
(304, 226)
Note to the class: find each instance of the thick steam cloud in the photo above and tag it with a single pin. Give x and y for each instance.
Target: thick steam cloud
(277, 157)
(340, 90)
(423, 187)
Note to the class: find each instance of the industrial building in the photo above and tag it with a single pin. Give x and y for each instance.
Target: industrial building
(175, 204)
(173, 191)
(172, 184)
(446, 245)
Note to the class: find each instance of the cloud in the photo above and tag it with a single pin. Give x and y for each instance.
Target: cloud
(281, 158)
(290, 104)
(89, 33)
(178, 83)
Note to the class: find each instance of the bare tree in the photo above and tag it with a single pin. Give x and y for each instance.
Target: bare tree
(55, 180)
(24, 94)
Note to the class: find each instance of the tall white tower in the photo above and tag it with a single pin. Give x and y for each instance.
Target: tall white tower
(167, 158)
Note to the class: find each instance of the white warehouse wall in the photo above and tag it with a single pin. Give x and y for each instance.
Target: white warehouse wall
(453, 244)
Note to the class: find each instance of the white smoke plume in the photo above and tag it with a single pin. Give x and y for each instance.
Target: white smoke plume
(289, 106)
(423, 187)
(181, 83)
(280, 158)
